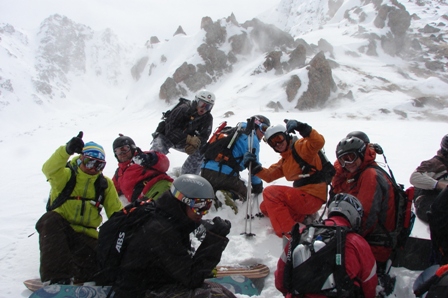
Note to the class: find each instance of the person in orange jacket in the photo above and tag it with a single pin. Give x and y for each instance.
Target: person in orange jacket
(286, 205)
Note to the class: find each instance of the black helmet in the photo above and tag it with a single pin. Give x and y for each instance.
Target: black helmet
(444, 144)
(348, 206)
(360, 135)
(351, 144)
(194, 191)
(123, 141)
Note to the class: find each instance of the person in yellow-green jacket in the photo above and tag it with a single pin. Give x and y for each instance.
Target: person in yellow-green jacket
(68, 233)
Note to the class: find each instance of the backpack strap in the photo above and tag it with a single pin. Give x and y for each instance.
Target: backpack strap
(64, 195)
(314, 178)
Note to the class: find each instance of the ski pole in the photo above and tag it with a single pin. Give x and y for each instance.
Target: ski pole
(250, 134)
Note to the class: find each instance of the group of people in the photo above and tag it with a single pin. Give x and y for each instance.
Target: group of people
(68, 231)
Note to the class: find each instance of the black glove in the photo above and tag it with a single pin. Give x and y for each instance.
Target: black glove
(250, 158)
(219, 226)
(303, 128)
(75, 145)
(257, 188)
(146, 160)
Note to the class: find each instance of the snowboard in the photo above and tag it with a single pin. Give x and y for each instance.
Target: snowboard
(237, 284)
(254, 271)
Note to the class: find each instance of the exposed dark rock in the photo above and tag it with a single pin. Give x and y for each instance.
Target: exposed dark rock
(325, 46)
(215, 59)
(292, 87)
(179, 30)
(215, 34)
(169, 90)
(297, 57)
(138, 68)
(430, 29)
(371, 48)
(434, 65)
(240, 44)
(275, 105)
(154, 40)
(320, 84)
(301, 41)
(399, 21)
(273, 62)
(198, 81)
(268, 37)
(232, 19)
(183, 72)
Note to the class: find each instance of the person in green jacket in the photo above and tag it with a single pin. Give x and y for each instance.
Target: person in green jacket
(68, 231)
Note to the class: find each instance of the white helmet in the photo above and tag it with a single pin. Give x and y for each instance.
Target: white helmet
(206, 96)
(273, 130)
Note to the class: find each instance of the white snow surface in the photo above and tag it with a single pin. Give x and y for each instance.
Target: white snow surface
(31, 131)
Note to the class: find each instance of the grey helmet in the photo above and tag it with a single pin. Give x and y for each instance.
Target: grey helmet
(205, 96)
(360, 135)
(188, 187)
(123, 141)
(348, 206)
(351, 144)
(444, 144)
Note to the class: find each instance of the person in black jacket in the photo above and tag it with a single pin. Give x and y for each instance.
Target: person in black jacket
(187, 129)
(160, 261)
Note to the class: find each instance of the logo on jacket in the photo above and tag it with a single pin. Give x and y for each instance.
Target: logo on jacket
(120, 241)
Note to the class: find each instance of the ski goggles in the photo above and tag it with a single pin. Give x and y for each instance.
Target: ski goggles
(93, 163)
(205, 105)
(122, 150)
(276, 139)
(347, 158)
(199, 206)
(262, 126)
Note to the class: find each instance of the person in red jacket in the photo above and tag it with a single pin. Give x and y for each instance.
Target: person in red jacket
(286, 205)
(139, 174)
(345, 211)
(355, 163)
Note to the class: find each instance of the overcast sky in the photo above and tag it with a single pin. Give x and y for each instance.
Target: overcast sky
(132, 20)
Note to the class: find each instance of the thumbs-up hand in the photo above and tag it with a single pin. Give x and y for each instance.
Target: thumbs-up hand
(75, 145)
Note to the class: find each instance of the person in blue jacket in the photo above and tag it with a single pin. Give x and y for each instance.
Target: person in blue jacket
(226, 181)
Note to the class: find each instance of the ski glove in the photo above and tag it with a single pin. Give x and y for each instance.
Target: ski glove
(75, 145)
(193, 143)
(257, 188)
(219, 226)
(146, 160)
(303, 128)
(248, 158)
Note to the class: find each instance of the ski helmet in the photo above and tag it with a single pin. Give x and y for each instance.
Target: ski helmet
(444, 144)
(123, 141)
(351, 144)
(348, 206)
(205, 96)
(274, 131)
(262, 122)
(194, 191)
(360, 135)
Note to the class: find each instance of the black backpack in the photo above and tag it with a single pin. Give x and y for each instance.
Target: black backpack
(100, 187)
(315, 262)
(115, 235)
(161, 127)
(220, 146)
(324, 175)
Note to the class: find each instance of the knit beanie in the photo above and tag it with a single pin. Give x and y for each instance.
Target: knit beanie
(94, 150)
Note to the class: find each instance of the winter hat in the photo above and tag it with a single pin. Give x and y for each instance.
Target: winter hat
(94, 150)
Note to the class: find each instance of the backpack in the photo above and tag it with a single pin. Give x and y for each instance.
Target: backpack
(100, 186)
(161, 126)
(115, 235)
(220, 146)
(324, 175)
(404, 217)
(315, 262)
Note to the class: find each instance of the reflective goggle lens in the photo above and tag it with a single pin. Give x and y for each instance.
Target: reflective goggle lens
(201, 207)
(93, 163)
(276, 139)
(263, 127)
(122, 150)
(204, 105)
(347, 158)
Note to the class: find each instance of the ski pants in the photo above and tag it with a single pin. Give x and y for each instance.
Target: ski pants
(192, 164)
(64, 253)
(221, 181)
(286, 205)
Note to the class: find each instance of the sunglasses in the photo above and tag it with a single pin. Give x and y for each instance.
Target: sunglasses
(347, 158)
(122, 150)
(276, 139)
(93, 163)
(204, 105)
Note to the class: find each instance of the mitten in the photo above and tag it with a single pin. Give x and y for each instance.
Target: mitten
(257, 188)
(75, 145)
(219, 226)
(303, 128)
(146, 160)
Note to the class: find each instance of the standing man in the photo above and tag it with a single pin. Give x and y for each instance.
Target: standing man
(159, 260)
(68, 233)
(187, 129)
(224, 175)
(429, 179)
(286, 205)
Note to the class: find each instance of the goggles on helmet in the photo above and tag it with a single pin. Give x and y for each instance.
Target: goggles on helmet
(347, 158)
(93, 163)
(204, 105)
(262, 126)
(122, 150)
(276, 139)
(199, 206)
